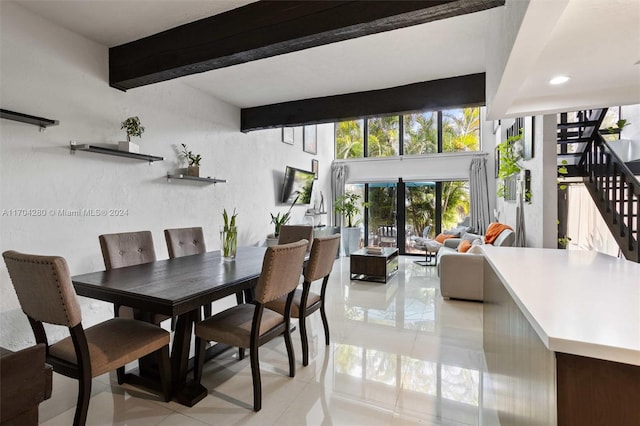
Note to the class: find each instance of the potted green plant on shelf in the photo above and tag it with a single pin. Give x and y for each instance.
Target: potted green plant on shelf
(229, 236)
(193, 161)
(134, 129)
(349, 205)
(620, 124)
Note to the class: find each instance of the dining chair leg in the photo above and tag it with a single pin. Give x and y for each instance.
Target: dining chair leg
(255, 374)
(164, 365)
(120, 375)
(325, 323)
(305, 343)
(198, 362)
(290, 353)
(84, 395)
(240, 300)
(206, 309)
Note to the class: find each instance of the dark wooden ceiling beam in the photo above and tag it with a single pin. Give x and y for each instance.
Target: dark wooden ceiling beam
(455, 92)
(268, 28)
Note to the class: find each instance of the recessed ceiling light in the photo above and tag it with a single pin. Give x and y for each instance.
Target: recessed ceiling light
(560, 79)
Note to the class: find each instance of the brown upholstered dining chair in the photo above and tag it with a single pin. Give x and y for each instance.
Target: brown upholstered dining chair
(128, 249)
(46, 294)
(250, 325)
(292, 233)
(306, 302)
(185, 241)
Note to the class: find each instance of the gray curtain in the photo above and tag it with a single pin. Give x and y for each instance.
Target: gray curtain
(338, 178)
(480, 216)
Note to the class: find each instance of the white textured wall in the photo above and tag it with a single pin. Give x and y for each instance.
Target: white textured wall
(48, 71)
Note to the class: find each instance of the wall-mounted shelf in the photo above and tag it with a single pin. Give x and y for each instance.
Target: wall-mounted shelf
(41, 122)
(195, 178)
(314, 213)
(109, 151)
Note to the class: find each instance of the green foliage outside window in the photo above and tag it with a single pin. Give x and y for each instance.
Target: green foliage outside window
(382, 140)
(349, 139)
(420, 133)
(460, 132)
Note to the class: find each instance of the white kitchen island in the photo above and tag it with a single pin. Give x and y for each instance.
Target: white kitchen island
(562, 337)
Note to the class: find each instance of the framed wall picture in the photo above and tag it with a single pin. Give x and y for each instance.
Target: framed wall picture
(287, 135)
(309, 141)
(314, 169)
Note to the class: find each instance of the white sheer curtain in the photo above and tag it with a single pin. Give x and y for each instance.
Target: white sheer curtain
(585, 226)
(338, 178)
(480, 216)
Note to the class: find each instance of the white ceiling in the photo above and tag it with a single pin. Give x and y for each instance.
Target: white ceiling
(596, 42)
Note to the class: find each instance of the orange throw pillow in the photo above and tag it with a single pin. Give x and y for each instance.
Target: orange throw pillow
(441, 237)
(464, 246)
(493, 231)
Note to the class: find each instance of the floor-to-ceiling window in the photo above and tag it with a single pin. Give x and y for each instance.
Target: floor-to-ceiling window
(349, 136)
(400, 211)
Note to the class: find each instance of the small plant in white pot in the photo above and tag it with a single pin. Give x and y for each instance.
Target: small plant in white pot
(193, 161)
(134, 129)
(349, 206)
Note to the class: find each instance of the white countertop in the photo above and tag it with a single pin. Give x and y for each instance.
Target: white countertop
(579, 302)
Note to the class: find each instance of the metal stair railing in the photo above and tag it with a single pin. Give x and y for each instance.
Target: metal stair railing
(574, 138)
(616, 192)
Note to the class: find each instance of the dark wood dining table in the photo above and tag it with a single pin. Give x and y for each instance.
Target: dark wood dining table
(177, 288)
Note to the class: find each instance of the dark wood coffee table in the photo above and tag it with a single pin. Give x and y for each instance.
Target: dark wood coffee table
(374, 267)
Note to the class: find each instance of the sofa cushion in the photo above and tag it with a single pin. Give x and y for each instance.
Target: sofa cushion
(453, 232)
(471, 237)
(464, 246)
(462, 229)
(441, 237)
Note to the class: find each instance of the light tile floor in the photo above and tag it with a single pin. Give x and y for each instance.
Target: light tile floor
(399, 355)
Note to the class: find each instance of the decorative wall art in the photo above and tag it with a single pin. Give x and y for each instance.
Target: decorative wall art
(309, 142)
(287, 135)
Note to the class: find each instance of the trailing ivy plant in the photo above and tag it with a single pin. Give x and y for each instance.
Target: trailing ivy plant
(510, 154)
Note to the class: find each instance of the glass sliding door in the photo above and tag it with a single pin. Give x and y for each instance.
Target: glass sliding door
(382, 220)
(400, 213)
(420, 214)
(454, 203)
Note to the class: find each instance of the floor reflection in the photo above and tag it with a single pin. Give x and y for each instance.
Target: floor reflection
(399, 355)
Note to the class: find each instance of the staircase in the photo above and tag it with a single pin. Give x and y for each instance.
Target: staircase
(607, 173)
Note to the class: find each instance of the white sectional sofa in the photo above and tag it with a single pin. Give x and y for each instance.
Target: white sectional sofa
(461, 274)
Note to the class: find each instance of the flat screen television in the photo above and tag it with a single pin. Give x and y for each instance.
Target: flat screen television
(297, 186)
